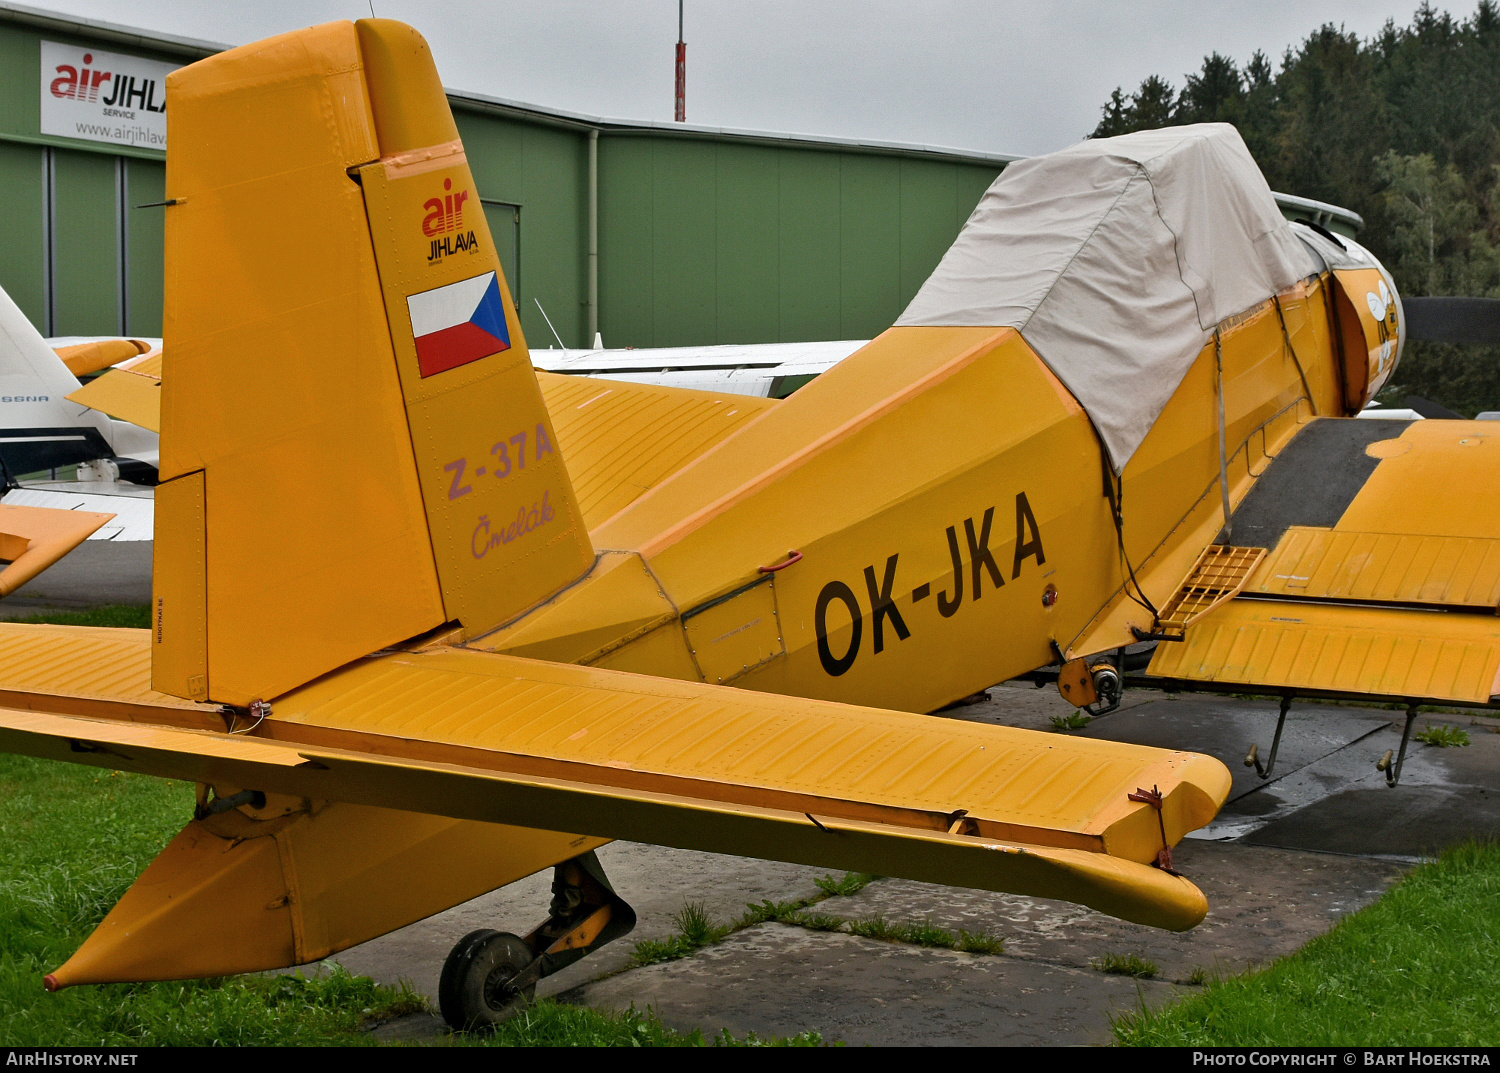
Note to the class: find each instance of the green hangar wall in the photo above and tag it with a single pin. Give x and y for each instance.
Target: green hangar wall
(718, 241)
(701, 236)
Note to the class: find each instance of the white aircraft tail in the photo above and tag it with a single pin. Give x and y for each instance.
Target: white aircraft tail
(39, 428)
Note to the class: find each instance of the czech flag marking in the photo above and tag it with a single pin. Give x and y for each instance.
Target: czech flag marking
(459, 323)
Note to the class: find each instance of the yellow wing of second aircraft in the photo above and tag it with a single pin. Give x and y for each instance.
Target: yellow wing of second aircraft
(382, 481)
(130, 394)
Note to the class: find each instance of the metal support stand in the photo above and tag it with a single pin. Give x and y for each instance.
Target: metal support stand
(1393, 771)
(1252, 758)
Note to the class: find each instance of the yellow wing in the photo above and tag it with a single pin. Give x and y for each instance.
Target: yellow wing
(84, 358)
(1381, 573)
(132, 394)
(33, 538)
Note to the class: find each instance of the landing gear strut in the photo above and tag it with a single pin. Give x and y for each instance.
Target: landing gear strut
(490, 975)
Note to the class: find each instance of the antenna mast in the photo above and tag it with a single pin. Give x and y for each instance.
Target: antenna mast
(681, 113)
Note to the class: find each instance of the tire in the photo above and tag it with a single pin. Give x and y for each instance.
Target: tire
(471, 992)
(453, 969)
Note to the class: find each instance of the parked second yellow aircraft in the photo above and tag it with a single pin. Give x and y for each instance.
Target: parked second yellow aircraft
(418, 610)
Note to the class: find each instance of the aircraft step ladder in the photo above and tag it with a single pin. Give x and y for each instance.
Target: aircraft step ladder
(1219, 575)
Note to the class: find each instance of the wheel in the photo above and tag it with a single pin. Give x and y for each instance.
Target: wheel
(453, 970)
(472, 992)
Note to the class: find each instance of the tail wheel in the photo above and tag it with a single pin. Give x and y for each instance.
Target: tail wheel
(472, 991)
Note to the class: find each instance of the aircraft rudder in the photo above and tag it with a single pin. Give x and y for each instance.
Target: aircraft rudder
(506, 528)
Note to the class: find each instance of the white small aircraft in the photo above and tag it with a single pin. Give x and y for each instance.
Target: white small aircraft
(40, 428)
(764, 370)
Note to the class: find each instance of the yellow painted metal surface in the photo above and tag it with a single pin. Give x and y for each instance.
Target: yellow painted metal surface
(1218, 575)
(33, 538)
(925, 564)
(1065, 789)
(1367, 319)
(734, 635)
(317, 544)
(1438, 478)
(404, 88)
(505, 526)
(855, 393)
(1384, 568)
(179, 600)
(126, 395)
(1421, 532)
(937, 502)
(621, 439)
(1403, 653)
(300, 882)
(1172, 506)
(46, 665)
(84, 358)
(621, 601)
(612, 800)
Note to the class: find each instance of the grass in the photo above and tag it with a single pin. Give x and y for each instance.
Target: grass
(762, 912)
(1077, 721)
(849, 883)
(695, 929)
(128, 616)
(1126, 965)
(925, 934)
(551, 1024)
(1420, 967)
(1442, 735)
(74, 839)
(980, 942)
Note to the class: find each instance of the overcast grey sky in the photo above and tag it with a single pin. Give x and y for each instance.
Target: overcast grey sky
(987, 75)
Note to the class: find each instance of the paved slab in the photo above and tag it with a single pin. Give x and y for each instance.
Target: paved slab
(780, 980)
(1445, 795)
(95, 573)
(1263, 903)
(656, 881)
(1225, 727)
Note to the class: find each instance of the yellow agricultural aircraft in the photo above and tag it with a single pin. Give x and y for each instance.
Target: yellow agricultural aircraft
(427, 622)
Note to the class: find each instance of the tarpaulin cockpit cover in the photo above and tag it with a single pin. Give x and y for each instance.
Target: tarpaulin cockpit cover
(1115, 259)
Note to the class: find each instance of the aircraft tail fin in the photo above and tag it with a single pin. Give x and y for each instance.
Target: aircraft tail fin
(381, 462)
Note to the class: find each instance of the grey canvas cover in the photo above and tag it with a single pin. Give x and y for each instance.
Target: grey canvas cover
(1115, 259)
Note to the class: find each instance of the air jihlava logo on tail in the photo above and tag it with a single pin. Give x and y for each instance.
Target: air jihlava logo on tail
(459, 323)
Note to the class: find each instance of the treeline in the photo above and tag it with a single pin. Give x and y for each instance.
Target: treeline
(1404, 129)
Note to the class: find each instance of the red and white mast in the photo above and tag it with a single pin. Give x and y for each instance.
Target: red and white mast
(681, 113)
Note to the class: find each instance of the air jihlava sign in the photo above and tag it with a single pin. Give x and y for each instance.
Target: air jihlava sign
(103, 96)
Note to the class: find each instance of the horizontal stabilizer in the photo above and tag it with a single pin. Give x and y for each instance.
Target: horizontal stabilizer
(609, 754)
(33, 538)
(1122, 888)
(132, 394)
(622, 439)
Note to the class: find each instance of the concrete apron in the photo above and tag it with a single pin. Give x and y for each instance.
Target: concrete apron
(1287, 858)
